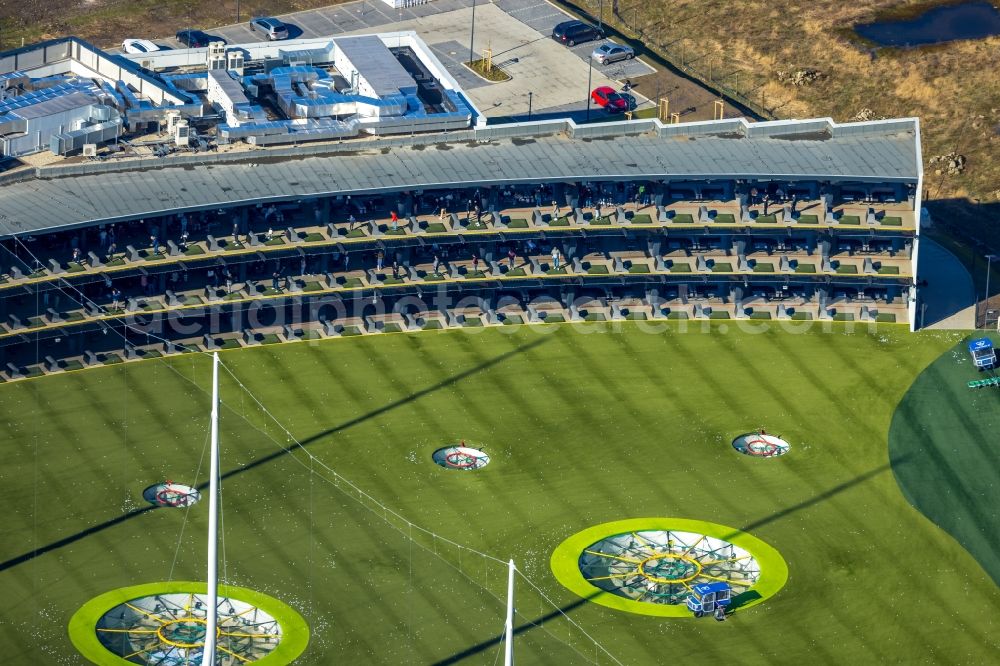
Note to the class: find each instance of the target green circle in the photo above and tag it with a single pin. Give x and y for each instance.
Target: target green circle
(83, 624)
(565, 562)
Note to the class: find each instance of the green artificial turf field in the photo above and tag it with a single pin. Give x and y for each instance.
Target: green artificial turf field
(585, 424)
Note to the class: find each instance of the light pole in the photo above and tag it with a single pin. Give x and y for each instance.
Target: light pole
(472, 34)
(529, 104)
(590, 73)
(600, 17)
(986, 311)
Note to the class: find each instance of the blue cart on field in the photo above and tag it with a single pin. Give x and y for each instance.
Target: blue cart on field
(983, 355)
(706, 598)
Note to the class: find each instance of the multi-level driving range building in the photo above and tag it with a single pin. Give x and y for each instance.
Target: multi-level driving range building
(482, 225)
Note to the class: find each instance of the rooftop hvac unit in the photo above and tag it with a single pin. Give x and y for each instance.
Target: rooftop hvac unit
(216, 55)
(173, 119)
(234, 62)
(90, 150)
(182, 133)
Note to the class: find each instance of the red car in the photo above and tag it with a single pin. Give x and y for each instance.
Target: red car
(607, 97)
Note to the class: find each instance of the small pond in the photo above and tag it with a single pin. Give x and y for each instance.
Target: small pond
(970, 20)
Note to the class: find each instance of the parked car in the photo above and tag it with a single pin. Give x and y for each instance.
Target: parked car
(572, 33)
(608, 53)
(272, 28)
(139, 46)
(607, 97)
(196, 39)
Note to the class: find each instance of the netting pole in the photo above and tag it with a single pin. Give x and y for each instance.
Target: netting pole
(508, 648)
(208, 655)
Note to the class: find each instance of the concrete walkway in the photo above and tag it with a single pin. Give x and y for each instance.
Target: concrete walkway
(948, 302)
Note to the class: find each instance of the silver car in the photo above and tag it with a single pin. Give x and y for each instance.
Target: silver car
(608, 53)
(272, 28)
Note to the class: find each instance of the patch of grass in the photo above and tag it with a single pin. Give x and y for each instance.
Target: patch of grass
(430, 277)
(805, 268)
(849, 220)
(801, 316)
(228, 343)
(432, 324)
(559, 222)
(517, 272)
(312, 286)
(885, 318)
(808, 219)
(847, 269)
(313, 237)
(766, 219)
(601, 221)
(636, 316)
(725, 218)
(843, 316)
(191, 251)
(350, 330)
(595, 316)
(392, 281)
(472, 322)
(391, 327)
(277, 240)
(598, 270)
(351, 283)
(71, 365)
(763, 268)
(355, 233)
(722, 268)
(760, 315)
(677, 315)
(510, 320)
(74, 267)
(541, 400)
(556, 271)
(682, 218)
(641, 219)
(517, 224)
(112, 359)
(888, 270)
(436, 228)
(680, 267)
(718, 314)
(554, 317)
(638, 268)
(891, 221)
(117, 261)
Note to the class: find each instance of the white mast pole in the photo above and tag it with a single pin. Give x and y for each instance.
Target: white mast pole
(508, 632)
(208, 656)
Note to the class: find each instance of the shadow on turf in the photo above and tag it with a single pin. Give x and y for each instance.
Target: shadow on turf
(740, 600)
(827, 494)
(444, 383)
(478, 648)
